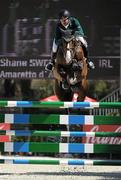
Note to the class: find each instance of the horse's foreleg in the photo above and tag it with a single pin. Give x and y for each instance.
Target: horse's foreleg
(63, 95)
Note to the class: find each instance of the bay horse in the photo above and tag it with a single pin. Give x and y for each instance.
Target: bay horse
(71, 66)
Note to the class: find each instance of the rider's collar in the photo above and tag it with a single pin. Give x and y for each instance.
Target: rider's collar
(66, 25)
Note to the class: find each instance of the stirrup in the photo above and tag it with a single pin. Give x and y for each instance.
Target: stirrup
(91, 65)
(49, 67)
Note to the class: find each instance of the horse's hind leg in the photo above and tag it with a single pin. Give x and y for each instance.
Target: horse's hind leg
(81, 94)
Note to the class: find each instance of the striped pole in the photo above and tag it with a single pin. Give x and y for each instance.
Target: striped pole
(37, 104)
(59, 119)
(59, 133)
(49, 147)
(81, 162)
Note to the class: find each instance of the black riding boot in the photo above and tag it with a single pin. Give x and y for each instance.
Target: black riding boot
(90, 64)
(50, 65)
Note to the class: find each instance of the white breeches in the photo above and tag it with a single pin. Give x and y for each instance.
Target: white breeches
(78, 38)
(54, 47)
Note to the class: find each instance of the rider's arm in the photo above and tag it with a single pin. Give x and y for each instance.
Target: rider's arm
(77, 28)
(57, 34)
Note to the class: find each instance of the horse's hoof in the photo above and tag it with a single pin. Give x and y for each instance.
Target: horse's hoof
(65, 86)
(73, 81)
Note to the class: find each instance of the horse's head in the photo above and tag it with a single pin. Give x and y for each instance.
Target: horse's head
(71, 48)
(67, 43)
(70, 62)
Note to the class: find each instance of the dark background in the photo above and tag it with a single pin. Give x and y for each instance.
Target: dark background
(24, 31)
(100, 19)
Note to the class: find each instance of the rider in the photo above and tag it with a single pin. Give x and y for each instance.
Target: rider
(66, 22)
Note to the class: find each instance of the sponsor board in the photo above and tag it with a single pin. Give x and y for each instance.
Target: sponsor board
(34, 68)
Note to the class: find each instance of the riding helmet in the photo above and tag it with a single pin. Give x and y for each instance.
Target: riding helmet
(64, 13)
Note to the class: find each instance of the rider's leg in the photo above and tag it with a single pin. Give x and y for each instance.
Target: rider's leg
(89, 63)
(85, 49)
(51, 64)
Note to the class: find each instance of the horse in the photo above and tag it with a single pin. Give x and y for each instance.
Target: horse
(70, 65)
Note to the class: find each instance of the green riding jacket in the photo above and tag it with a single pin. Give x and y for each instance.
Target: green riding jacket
(74, 28)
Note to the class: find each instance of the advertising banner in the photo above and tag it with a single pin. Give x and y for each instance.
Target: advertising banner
(102, 128)
(34, 68)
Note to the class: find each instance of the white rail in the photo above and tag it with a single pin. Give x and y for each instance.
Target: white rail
(112, 97)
